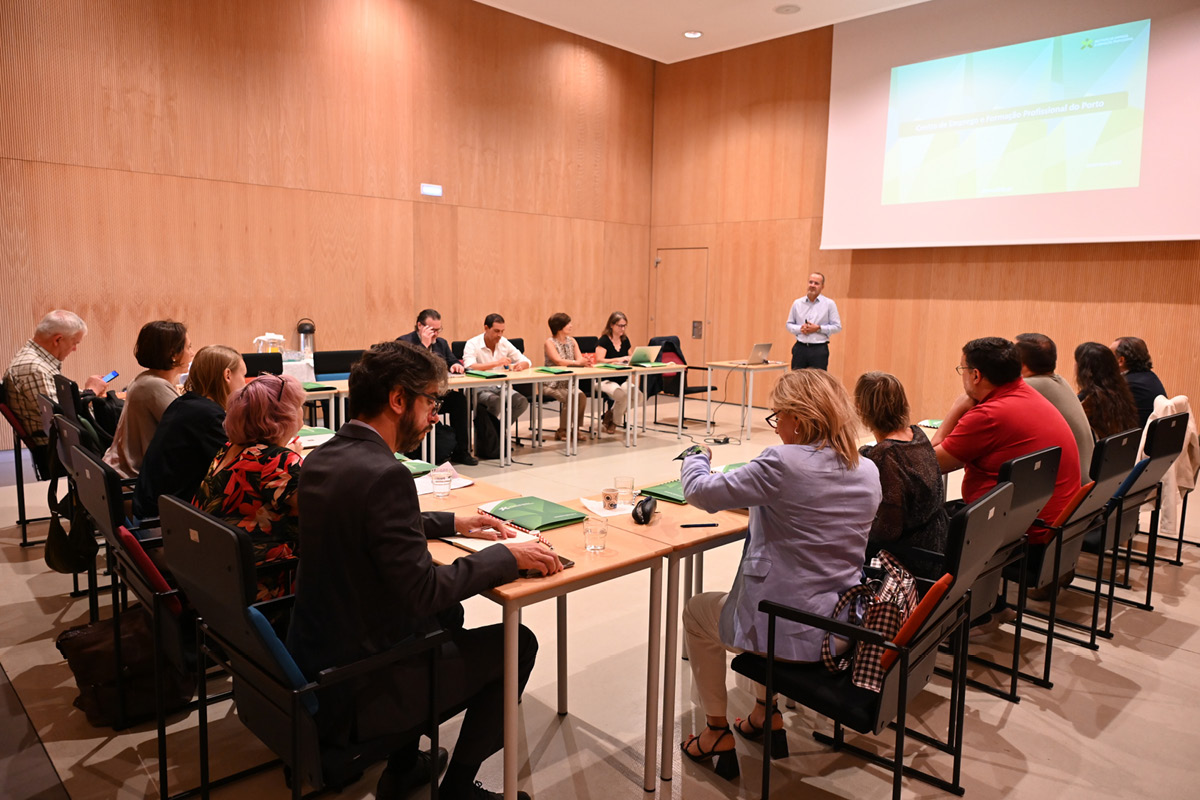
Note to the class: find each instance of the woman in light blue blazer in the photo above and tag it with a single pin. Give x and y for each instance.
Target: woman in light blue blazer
(812, 501)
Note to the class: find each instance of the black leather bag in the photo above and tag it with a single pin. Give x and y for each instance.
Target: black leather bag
(89, 652)
(74, 551)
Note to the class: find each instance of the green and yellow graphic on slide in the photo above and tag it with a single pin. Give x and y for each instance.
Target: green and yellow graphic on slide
(1054, 115)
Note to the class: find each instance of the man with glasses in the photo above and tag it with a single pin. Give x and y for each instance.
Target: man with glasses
(367, 582)
(999, 417)
(427, 333)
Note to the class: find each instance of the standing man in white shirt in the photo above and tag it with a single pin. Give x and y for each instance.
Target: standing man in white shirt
(812, 321)
(491, 351)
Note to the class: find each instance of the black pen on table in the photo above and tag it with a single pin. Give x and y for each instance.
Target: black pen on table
(698, 525)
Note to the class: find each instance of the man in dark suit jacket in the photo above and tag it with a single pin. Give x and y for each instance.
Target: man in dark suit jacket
(1134, 358)
(367, 583)
(428, 334)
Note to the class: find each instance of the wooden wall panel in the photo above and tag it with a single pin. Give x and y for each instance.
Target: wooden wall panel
(241, 165)
(739, 136)
(230, 260)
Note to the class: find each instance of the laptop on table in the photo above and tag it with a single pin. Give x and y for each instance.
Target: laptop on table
(758, 355)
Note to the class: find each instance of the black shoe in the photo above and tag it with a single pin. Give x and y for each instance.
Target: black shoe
(396, 785)
(466, 459)
(474, 792)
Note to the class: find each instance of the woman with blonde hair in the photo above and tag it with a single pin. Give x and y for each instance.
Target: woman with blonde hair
(812, 501)
(253, 481)
(191, 430)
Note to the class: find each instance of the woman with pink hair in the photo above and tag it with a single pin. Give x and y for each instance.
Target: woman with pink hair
(252, 482)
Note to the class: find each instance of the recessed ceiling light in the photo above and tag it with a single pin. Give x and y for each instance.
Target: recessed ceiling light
(787, 8)
(693, 34)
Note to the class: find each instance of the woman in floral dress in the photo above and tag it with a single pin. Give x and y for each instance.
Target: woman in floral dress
(253, 480)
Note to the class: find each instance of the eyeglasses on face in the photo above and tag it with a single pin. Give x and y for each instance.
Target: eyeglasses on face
(773, 420)
(436, 399)
(960, 369)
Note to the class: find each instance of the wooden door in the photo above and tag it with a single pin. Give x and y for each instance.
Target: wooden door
(681, 299)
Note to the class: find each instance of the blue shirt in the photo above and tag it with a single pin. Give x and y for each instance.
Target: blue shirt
(821, 311)
(809, 522)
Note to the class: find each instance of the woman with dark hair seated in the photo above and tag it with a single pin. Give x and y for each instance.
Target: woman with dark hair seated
(911, 516)
(165, 350)
(562, 350)
(191, 430)
(811, 501)
(253, 479)
(1103, 392)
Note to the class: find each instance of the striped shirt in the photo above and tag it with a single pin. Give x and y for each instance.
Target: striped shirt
(31, 373)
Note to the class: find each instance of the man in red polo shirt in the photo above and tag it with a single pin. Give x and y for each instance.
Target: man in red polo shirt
(1000, 417)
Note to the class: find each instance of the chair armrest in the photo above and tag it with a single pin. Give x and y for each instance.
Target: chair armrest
(276, 603)
(407, 649)
(834, 626)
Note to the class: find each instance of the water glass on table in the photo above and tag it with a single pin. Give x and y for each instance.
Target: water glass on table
(595, 531)
(624, 490)
(441, 479)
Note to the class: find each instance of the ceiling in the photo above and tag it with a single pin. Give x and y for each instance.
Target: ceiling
(654, 28)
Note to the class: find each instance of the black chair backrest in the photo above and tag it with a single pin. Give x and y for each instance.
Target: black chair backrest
(99, 488)
(69, 435)
(459, 349)
(1033, 477)
(1112, 460)
(258, 363)
(214, 566)
(334, 362)
(47, 408)
(519, 343)
(68, 397)
(587, 344)
(970, 543)
(669, 344)
(1164, 442)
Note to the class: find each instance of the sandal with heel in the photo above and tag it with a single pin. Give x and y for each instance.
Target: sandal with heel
(726, 763)
(751, 732)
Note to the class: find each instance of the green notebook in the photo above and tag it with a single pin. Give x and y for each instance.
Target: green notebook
(613, 366)
(485, 373)
(417, 468)
(655, 364)
(533, 513)
(671, 491)
(307, 431)
(309, 386)
(553, 370)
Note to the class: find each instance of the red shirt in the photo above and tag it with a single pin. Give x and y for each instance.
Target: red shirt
(1010, 422)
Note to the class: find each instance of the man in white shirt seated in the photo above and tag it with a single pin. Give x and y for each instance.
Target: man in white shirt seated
(491, 351)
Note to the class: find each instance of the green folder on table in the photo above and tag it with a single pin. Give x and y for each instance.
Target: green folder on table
(309, 386)
(655, 364)
(613, 366)
(417, 468)
(533, 513)
(671, 491)
(553, 370)
(485, 373)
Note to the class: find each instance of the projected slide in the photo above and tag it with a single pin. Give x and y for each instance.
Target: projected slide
(1054, 115)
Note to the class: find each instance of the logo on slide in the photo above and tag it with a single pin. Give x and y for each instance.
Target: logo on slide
(1088, 44)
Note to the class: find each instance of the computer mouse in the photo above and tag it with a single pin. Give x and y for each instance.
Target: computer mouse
(643, 512)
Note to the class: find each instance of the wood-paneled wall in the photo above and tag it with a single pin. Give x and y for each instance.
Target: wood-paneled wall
(739, 144)
(241, 165)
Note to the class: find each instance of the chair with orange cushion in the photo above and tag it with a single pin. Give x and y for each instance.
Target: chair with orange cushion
(908, 661)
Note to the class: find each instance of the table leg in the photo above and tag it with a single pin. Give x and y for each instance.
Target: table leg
(512, 622)
(745, 386)
(572, 427)
(679, 423)
(688, 580)
(506, 392)
(670, 668)
(749, 405)
(699, 587)
(562, 655)
(652, 664)
(631, 410)
(708, 423)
